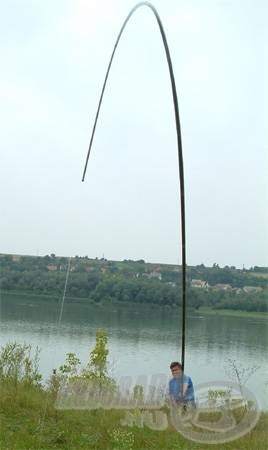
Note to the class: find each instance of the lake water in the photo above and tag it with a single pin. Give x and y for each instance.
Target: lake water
(142, 340)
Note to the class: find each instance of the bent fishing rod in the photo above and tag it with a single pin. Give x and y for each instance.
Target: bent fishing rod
(179, 149)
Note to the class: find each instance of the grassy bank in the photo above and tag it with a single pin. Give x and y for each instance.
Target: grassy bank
(30, 421)
(233, 312)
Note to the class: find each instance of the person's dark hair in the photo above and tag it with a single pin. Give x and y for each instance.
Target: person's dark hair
(175, 364)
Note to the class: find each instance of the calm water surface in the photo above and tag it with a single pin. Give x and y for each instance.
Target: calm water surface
(141, 340)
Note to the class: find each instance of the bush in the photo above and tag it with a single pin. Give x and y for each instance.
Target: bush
(18, 365)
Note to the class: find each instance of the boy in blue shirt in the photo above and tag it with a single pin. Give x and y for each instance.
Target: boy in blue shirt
(176, 394)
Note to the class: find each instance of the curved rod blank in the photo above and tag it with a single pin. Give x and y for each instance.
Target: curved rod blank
(179, 145)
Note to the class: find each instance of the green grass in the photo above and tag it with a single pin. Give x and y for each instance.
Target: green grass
(29, 421)
(233, 312)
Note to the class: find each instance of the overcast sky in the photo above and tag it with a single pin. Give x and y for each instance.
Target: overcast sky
(53, 60)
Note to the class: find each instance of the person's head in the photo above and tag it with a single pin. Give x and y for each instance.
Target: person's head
(176, 369)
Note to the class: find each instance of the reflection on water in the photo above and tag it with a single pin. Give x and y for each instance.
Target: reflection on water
(141, 340)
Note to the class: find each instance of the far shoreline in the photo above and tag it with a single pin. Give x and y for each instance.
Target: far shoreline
(232, 312)
(82, 301)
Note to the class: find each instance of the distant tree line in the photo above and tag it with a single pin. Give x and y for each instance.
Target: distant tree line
(129, 281)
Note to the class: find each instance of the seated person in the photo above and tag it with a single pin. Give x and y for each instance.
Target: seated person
(178, 395)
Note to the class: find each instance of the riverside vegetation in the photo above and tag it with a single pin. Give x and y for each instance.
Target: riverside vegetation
(29, 419)
(103, 281)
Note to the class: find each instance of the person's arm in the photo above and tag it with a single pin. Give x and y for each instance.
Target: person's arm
(185, 385)
(172, 399)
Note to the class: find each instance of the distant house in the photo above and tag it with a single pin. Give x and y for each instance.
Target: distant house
(153, 274)
(52, 268)
(252, 289)
(199, 284)
(16, 258)
(222, 287)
